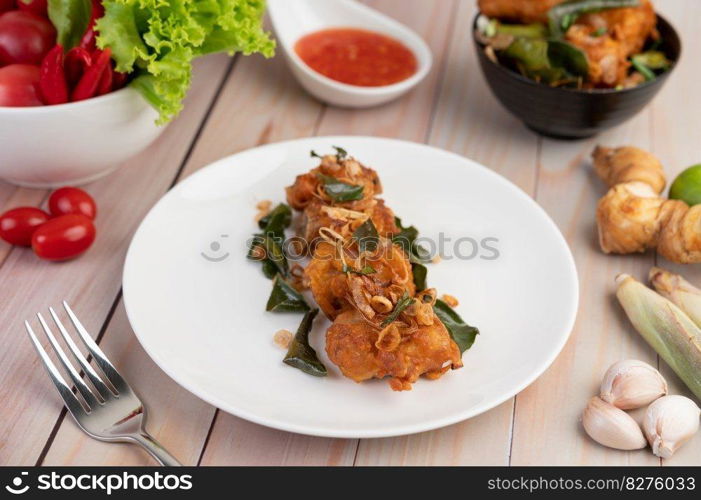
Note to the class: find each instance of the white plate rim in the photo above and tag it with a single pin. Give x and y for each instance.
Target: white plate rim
(401, 430)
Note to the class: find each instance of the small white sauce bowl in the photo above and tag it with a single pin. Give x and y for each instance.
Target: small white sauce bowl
(292, 19)
(74, 143)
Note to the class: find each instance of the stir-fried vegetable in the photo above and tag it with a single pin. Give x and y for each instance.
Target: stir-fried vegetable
(566, 52)
(462, 334)
(301, 354)
(284, 298)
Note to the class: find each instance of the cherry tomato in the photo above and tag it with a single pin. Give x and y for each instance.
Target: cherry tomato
(25, 37)
(39, 7)
(6, 5)
(70, 200)
(19, 85)
(18, 225)
(63, 237)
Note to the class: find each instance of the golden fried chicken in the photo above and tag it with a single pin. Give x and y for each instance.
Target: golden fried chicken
(624, 34)
(308, 187)
(336, 291)
(344, 220)
(630, 27)
(363, 351)
(520, 11)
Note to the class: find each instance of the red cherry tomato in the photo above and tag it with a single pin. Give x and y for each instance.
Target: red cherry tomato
(18, 225)
(19, 85)
(63, 237)
(38, 7)
(25, 37)
(6, 5)
(70, 200)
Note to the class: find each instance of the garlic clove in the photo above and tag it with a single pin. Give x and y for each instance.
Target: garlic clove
(670, 422)
(632, 384)
(611, 426)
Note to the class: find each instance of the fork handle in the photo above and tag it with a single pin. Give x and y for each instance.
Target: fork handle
(155, 449)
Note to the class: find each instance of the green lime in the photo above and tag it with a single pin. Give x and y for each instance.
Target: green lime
(687, 186)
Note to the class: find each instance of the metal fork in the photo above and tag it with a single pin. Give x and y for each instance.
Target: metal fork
(111, 413)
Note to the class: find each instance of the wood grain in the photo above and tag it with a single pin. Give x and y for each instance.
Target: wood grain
(90, 283)
(260, 102)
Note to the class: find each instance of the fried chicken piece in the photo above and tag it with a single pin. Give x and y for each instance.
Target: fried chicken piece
(630, 27)
(363, 352)
(520, 11)
(627, 30)
(307, 187)
(333, 289)
(347, 218)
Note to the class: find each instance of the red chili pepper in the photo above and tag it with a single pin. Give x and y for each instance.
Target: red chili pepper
(88, 40)
(77, 62)
(88, 84)
(105, 85)
(119, 80)
(52, 80)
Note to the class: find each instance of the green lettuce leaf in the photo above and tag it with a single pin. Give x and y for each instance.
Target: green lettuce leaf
(158, 39)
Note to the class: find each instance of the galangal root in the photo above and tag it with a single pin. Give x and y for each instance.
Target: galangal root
(634, 217)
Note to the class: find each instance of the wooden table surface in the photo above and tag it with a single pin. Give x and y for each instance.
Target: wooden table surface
(240, 103)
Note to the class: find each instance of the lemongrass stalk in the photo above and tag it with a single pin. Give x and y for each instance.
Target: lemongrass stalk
(665, 327)
(674, 287)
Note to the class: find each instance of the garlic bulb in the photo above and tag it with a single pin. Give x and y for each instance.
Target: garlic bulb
(611, 426)
(632, 384)
(669, 423)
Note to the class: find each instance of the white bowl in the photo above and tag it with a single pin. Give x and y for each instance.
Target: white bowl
(294, 19)
(74, 143)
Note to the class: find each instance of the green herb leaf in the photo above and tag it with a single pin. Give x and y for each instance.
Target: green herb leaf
(71, 19)
(420, 273)
(404, 301)
(269, 269)
(406, 239)
(284, 298)
(314, 154)
(461, 333)
(367, 237)
(276, 221)
(340, 191)
(300, 354)
(366, 270)
(599, 32)
(562, 16)
(565, 55)
(272, 252)
(341, 154)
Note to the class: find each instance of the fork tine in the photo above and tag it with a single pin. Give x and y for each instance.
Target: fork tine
(97, 382)
(67, 395)
(107, 368)
(75, 376)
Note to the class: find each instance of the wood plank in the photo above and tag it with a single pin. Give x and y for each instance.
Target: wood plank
(469, 121)
(256, 105)
(91, 282)
(547, 428)
(175, 416)
(408, 118)
(675, 125)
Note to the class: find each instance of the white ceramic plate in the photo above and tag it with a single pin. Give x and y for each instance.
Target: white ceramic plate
(197, 305)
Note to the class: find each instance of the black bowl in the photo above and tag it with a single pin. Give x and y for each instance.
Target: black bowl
(570, 113)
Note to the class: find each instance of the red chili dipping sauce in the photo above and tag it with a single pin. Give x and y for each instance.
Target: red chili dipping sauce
(357, 57)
